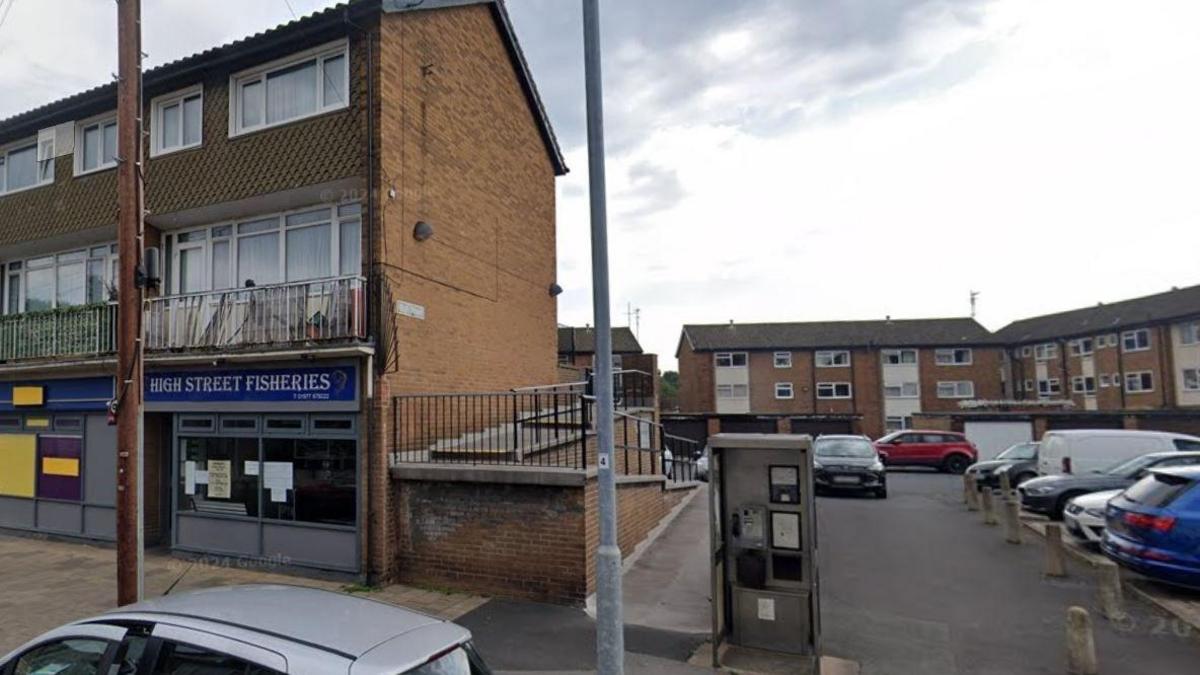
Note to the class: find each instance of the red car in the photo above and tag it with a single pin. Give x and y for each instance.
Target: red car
(947, 451)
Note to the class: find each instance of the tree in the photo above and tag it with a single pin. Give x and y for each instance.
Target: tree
(669, 390)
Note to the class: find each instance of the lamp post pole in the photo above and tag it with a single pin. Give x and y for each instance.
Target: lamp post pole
(610, 638)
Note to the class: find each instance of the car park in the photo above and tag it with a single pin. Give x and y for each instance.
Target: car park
(254, 630)
(1152, 527)
(1086, 450)
(947, 451)
(848, 463)
(1084, 515)
(1049, 495)
(1019, 461)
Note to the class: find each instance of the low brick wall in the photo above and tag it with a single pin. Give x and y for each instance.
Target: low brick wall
(514, 533)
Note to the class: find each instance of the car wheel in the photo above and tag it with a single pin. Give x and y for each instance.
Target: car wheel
(955, 464)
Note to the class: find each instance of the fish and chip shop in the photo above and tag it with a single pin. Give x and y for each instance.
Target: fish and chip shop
(265, 461)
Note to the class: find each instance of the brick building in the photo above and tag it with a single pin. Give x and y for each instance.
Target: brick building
(577, 346)
(879, 372)
(353, 206)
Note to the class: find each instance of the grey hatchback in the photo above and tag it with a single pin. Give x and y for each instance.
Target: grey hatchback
(252, 630)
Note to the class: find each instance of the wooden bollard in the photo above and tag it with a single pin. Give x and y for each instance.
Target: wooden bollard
(1111, 600)
(972, 492)
(989, 507)
(967, 488)
(1081, 644)
(1056, 564)
(1012, 521)
(1006, 487)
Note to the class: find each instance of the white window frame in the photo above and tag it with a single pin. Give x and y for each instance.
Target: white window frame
(109, 258)
(789, 391)
(1028, 385)
(1194, 373)
(1053, 387)
(1077, 346)
(730, 355)
(156, 124)
(1104, 381)
(830, 358)
(940, 356)
(1026, 351)
(25, 144)
(1135, 334)
(959, 390)
(1045, 351)
(1079, 385)
(732, 389)
(1139, 374)
(100, 121)
(260, 72)
(783, 360)
(899, 355)
(832, 388)
(1189, 333)
(897, 422)
(904, 389)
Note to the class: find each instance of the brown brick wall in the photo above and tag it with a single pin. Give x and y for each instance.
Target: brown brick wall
(640, 507)
(696, 388)
(984, 371)
(764, 375)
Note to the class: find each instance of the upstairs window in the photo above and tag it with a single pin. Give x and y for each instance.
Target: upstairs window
(896, 357)
(833, 359)
(177, 121)
(730, 359)
(1082, 347)
(1081, 384)
(784, 390)
(304, 85)
(1191, 379)
(834, 390)
(1046, 351)
(952, 357)
(956, 389)
(1139, 382)
(783, 359)
(21, 170)
(1135, 340)
(901, 390)
(96, 145)
(1050, 387)
(1189, 333)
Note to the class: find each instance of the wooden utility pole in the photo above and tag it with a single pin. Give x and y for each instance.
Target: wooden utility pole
(129, 295)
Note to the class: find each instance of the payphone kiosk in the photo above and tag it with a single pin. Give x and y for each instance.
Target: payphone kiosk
(764, 544)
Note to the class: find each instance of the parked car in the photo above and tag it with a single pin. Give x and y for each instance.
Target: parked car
(262, 630)
(1084, 515)
(1153, 527)
(1085, 450)
(945, 450)
(702, 467)
(1019, 461)
(848, 463)
(1049, 494)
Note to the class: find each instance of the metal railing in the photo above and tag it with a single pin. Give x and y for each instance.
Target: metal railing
(631, 388)
(541, 428)
(71, 331)
(643, 447)
(297, 312)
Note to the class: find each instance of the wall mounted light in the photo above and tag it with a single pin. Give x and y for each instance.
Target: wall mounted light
(422, 231)
(555, 290)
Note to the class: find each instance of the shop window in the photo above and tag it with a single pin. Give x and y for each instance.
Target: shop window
(68, 423)
(239, 424)
(37, 422)
(10, 423)
(311, 480)
(219, 476)
(194, 424)
(332, 425)
(284, 425)
(60, 474)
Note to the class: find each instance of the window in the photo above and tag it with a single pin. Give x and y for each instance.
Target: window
(235, 457)
(21, 170)
(1081, 347)
(784, 390)
(177, 121)
(956, 389)
(833, 390)
(895, 357)
(310, 480)
(1184, 445)
(77, 656)
(897, 423)
(307, 84)
(1191, 379)
(1189, 333)
(901, 390)
(1026, 351)
(1139, 382)
(783, 359)
(1135, 340)
(1104, 381)
(1028, 385)
(952, 357)
(1083, 385)
(82, 277)
(96, 145)
(730, 359)
(1049, 387)
(732, 391)
(834, 359)
(180, 659)
(1046, 351)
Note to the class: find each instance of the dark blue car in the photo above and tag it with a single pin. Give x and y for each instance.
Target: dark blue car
(1153, 527)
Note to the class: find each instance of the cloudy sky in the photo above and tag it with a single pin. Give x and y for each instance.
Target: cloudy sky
(815, 159)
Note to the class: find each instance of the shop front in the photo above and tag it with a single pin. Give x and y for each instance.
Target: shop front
(265, 461)
(58, 457)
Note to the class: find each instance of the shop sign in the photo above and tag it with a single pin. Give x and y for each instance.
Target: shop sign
(335, 387)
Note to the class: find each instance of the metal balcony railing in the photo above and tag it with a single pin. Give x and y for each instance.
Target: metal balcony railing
(68, 332)
(298, 312)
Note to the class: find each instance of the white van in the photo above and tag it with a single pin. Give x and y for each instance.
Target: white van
(1085, 450)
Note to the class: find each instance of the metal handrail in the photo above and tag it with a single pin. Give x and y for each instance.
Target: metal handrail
(262, 287)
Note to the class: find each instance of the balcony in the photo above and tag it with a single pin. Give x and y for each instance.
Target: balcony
(324, 310)
(78, 332)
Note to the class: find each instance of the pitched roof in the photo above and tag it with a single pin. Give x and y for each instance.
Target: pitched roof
(583, 340)
(1173, 304)
(810, 334)
(102, 97)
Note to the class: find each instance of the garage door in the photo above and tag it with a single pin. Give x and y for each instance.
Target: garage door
(993, 437)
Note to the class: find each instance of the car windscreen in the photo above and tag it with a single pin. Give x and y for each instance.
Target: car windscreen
(1157, 489)
(1020, 451)
(1127, 468)
(844, 447)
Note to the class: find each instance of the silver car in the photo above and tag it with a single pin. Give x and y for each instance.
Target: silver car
(252, 630)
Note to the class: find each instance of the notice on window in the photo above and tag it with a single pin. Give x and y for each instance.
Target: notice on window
(766, 609)
(279, 496)
(277, 475)
(189, 478)
(251, 468)
(785, 530)
(220, 474)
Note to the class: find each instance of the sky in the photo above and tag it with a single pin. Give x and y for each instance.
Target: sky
(793, 160)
